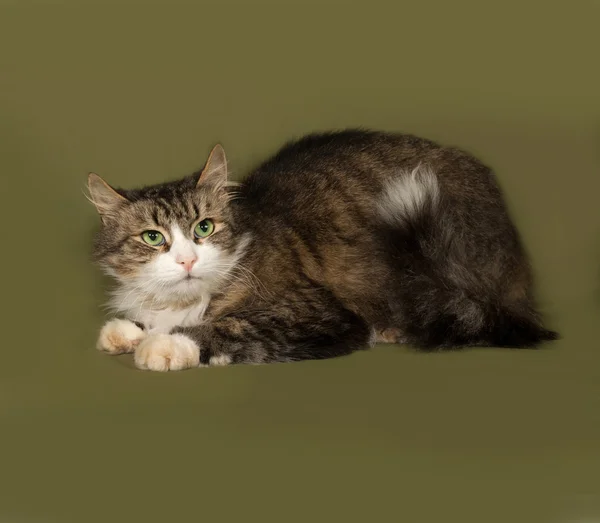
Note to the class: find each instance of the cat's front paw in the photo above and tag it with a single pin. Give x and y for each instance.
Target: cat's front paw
(120, 336)
(164, 352)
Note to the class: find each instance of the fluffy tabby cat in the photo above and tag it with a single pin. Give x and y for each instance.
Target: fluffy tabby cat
(340, 240)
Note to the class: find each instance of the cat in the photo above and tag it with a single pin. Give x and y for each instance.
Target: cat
(341, 240)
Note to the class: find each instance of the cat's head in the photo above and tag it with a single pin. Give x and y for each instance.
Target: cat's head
(170, 243)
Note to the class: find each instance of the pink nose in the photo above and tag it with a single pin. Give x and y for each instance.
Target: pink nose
(188, 263)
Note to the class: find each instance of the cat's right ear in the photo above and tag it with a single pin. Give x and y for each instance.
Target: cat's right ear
(104, 197)
(215, 170)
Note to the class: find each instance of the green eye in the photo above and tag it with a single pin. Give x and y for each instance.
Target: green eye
(204, 229)
(153, 238)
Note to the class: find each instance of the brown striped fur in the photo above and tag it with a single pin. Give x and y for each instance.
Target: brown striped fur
(348, 237)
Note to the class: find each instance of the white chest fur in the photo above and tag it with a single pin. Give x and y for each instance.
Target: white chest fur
(165, 320)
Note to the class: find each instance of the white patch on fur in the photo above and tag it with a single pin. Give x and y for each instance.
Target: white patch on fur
(164, 295)
(220, 360)
(119, 336)
(165, 320)
(164, 352)
(406, 195)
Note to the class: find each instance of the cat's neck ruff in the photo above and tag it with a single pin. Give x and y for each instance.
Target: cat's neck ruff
(159, 313)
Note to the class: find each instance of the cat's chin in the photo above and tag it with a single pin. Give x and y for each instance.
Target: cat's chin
(190, 286)
(189, 281)
(182, 292)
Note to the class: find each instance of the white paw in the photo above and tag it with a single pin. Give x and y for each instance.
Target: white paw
(119, 336)
(220, 360)
(390, 335)
(163, 352)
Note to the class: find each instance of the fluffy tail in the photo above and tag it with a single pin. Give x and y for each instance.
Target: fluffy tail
(469, 324)
(513, 331)
(449, 294)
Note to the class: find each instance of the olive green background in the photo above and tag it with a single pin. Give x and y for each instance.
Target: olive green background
(139, 92)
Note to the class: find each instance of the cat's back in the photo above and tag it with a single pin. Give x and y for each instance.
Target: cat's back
(329, 152)
(321, 166)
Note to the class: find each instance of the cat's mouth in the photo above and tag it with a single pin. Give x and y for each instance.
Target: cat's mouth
(189, 279)
(189, 283)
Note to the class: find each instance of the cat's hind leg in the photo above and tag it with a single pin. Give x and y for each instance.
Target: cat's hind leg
(389, 335)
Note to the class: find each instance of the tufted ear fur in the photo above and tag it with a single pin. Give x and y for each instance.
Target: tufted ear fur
(103, 196)
(215, 170)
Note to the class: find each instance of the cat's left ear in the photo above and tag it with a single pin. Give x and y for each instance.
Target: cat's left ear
(104, 197)
(215, 170)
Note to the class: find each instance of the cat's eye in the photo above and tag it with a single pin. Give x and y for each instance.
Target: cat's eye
(204, 229)
(153, 238)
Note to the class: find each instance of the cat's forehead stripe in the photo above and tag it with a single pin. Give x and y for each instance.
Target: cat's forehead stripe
(165, 212)
(155, 217)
